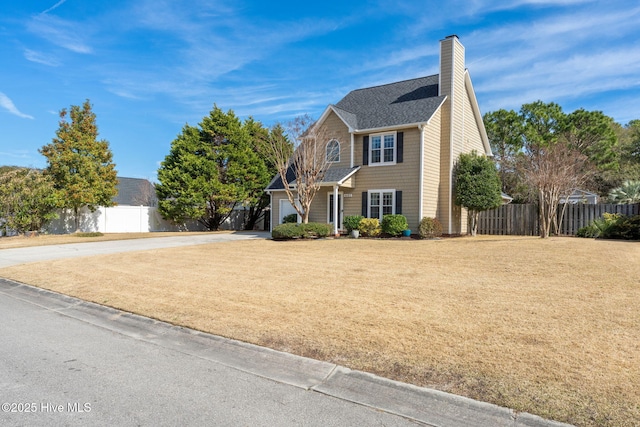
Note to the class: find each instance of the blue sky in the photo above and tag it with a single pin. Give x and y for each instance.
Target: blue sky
(150, 66)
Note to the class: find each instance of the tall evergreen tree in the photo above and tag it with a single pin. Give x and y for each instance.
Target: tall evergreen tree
(209, 170)
(80, 165)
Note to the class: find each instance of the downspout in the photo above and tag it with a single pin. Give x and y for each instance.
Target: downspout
(336, 219)
(270, 211)
(421, 183)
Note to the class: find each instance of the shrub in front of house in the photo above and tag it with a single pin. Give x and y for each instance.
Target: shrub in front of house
(291, 218)
(394, 225)
(352, 222)
(315, 229)
(286, 231)
(296, 231)
(429, 228)
(370, 227)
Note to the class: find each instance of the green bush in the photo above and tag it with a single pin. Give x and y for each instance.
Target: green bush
(626, 227)
(613, 226)
(429, 228)
(286, 231)
(370, 227)
(394, 225)
(291, 218)
(315, 229)
(590, 231)
(352, 222)
(296, 231)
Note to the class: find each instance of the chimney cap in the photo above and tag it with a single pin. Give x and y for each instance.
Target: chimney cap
(452, 36)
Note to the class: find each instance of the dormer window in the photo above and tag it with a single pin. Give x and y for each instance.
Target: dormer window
(333, 151)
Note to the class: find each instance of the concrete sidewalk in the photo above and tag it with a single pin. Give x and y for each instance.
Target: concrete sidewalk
(418, 404)
(9, 257)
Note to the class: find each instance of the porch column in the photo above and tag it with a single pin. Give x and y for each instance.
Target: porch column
(336, 218)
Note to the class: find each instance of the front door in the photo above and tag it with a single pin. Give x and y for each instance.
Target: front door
(330, 210)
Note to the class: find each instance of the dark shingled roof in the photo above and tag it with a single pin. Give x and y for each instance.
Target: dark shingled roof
(135, 192)
(332, 175)
(394, 104)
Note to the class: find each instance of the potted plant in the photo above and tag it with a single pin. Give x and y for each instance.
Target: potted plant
(352, 225)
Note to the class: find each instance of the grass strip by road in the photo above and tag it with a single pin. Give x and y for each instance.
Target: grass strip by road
(550, 327)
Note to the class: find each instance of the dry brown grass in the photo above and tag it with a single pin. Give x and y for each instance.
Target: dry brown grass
(60, 239)
(550, 327)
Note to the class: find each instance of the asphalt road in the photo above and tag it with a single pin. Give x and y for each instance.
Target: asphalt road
(57, 370)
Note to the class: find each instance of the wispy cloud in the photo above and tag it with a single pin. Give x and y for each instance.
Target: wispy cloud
(55, 6)
(7, 104)
(41, 58)
(66, 34)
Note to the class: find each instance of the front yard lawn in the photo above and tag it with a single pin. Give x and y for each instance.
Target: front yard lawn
(551, 327)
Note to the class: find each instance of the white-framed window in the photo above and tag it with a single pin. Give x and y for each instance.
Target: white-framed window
(382, 149)
(381, 203)
(333, 151)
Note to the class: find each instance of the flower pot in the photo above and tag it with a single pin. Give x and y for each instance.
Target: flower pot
(355, 233)
(406, 233)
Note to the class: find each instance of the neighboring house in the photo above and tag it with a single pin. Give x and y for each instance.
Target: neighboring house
(580, 196)
(135, 192)
(395, 148)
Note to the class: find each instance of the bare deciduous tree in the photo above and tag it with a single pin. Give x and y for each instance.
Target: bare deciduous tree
(301, 159)
(554, 170)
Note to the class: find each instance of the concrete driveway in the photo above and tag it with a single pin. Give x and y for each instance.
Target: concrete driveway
(10, 257)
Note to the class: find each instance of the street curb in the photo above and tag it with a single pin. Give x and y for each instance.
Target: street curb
(427, 406)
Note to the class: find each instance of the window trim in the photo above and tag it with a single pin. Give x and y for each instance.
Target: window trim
(395, 149)
(326, 149)
(381, 193)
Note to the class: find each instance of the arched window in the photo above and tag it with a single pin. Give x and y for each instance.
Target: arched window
(333, 151)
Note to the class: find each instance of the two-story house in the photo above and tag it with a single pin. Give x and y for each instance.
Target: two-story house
(394, 149)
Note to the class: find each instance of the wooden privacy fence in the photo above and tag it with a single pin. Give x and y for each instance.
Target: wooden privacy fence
(522, 220)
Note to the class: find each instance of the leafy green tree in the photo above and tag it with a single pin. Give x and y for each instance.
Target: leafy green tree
(505, 133)
(80, 165)
(593, 134)
(477, 186)
(209, 170)
(27, 199)
(627, 193)
(628, 150)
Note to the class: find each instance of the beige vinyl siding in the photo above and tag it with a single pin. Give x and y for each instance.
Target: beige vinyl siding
(431, 178)
(334, 128)
(401, 176)
(318, 211)
(276, 196)
(473, 140)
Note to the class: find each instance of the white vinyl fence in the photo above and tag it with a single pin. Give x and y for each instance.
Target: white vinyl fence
(118, 219)
(132, 219)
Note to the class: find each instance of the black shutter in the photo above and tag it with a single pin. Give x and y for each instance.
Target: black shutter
(365, 202)
(365, 150)
(400, 147)
(398, 202)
